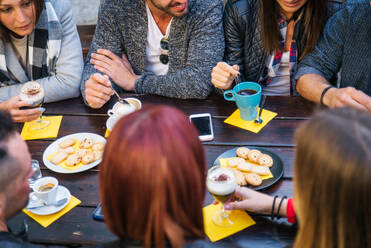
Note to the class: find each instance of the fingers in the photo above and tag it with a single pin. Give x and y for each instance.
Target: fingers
(109, 54)
(224, 66)
(102, 70)
(222, 78)
(347, 97)
(97, 90)
(361, 98)
(100, 60)
(19, 115)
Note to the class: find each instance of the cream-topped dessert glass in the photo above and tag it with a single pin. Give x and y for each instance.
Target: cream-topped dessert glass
(33, 92)
(221, 183)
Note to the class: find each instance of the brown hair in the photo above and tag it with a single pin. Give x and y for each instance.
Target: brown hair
(315, 14)
(39, 6)
(332, 182)
(152, 178)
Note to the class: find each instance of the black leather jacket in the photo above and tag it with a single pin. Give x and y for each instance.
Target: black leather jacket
(243, 40)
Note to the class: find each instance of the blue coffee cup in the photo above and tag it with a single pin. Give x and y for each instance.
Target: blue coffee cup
(247, 97)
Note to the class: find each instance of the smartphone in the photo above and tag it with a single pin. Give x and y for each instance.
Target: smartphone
(204, 126)
(98, 214)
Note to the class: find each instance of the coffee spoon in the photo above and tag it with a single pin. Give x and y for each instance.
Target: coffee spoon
(57, 204)
(258, 120)
(121, 100)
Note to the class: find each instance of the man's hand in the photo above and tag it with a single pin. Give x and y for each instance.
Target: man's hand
(119, 69)
(98, 90)
(222, 75)
(14, 104)
(348, 96)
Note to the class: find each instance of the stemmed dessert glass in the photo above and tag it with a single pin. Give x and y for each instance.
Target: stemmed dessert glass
(221, 183)
(33, 91)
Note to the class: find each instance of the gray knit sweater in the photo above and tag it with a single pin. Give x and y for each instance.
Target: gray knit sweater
(196, 44)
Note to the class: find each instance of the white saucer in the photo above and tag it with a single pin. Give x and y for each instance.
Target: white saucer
(62, 192)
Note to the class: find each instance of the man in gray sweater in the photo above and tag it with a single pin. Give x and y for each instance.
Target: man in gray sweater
(163, 47)
(344, 49)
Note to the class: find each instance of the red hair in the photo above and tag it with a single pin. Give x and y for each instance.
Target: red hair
(152, 178)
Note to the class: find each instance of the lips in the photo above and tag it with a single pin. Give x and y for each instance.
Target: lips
(291, 4)
(180, 6)
(25, 27)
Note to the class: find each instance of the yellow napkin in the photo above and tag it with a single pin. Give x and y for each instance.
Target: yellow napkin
(50, 131)
(236, 120)
(108, 132)
(46, 220)
(240, 218)
(224, 164)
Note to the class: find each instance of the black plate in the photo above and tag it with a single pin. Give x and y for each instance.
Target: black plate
(276, 169)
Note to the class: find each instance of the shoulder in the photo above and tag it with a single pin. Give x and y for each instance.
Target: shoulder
(241, 7)
(61, 7)
(201, 7)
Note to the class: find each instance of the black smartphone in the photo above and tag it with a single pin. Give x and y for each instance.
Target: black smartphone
(98, 214)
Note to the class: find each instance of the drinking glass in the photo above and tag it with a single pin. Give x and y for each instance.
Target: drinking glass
(36, 172)
(221, 183)
(40, 123)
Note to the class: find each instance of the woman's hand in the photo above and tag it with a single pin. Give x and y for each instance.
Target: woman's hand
(222, 75)
(98, 90)
(14, 104)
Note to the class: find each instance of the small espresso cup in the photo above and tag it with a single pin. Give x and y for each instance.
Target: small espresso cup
(247, 97)
(46, 189)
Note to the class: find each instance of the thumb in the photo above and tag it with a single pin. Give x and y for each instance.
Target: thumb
(236, 67)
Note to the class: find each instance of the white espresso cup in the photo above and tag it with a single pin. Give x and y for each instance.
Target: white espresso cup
(46, 189)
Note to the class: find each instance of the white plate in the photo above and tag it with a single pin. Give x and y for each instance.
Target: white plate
(62, 192)
(54, 147)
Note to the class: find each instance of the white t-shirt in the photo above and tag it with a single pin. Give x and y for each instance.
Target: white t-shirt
(280, 84)
(153, 48)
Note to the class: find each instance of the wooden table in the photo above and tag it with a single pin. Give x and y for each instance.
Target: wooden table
(77, 228)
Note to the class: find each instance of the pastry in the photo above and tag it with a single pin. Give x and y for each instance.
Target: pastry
(240, 177)
(99, 146)
(253, 179)
(260, 170)
(73, 160)
(97, 155)
(242, 152)
(86, 143)
(234, 162)
(68, 150)
(265, 160)
(245, 166)
(59, 157)
(80, 153)
(88, 158)
(66, 143)
(254, 155)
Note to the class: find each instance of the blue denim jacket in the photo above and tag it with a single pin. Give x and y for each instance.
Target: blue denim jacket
(344, 49)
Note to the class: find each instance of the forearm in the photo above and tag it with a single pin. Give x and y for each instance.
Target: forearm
(311, 86)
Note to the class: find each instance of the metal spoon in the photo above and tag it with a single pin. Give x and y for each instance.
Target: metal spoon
(57, 204)
(258, 120)
(121, 100)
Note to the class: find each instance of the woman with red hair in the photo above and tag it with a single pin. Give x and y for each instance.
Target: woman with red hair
(152, 180)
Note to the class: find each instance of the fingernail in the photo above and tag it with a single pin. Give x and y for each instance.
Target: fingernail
(42, 109)
(30, 102)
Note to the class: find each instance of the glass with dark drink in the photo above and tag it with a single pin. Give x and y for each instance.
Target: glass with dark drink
(33, 92)
(221, 184)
